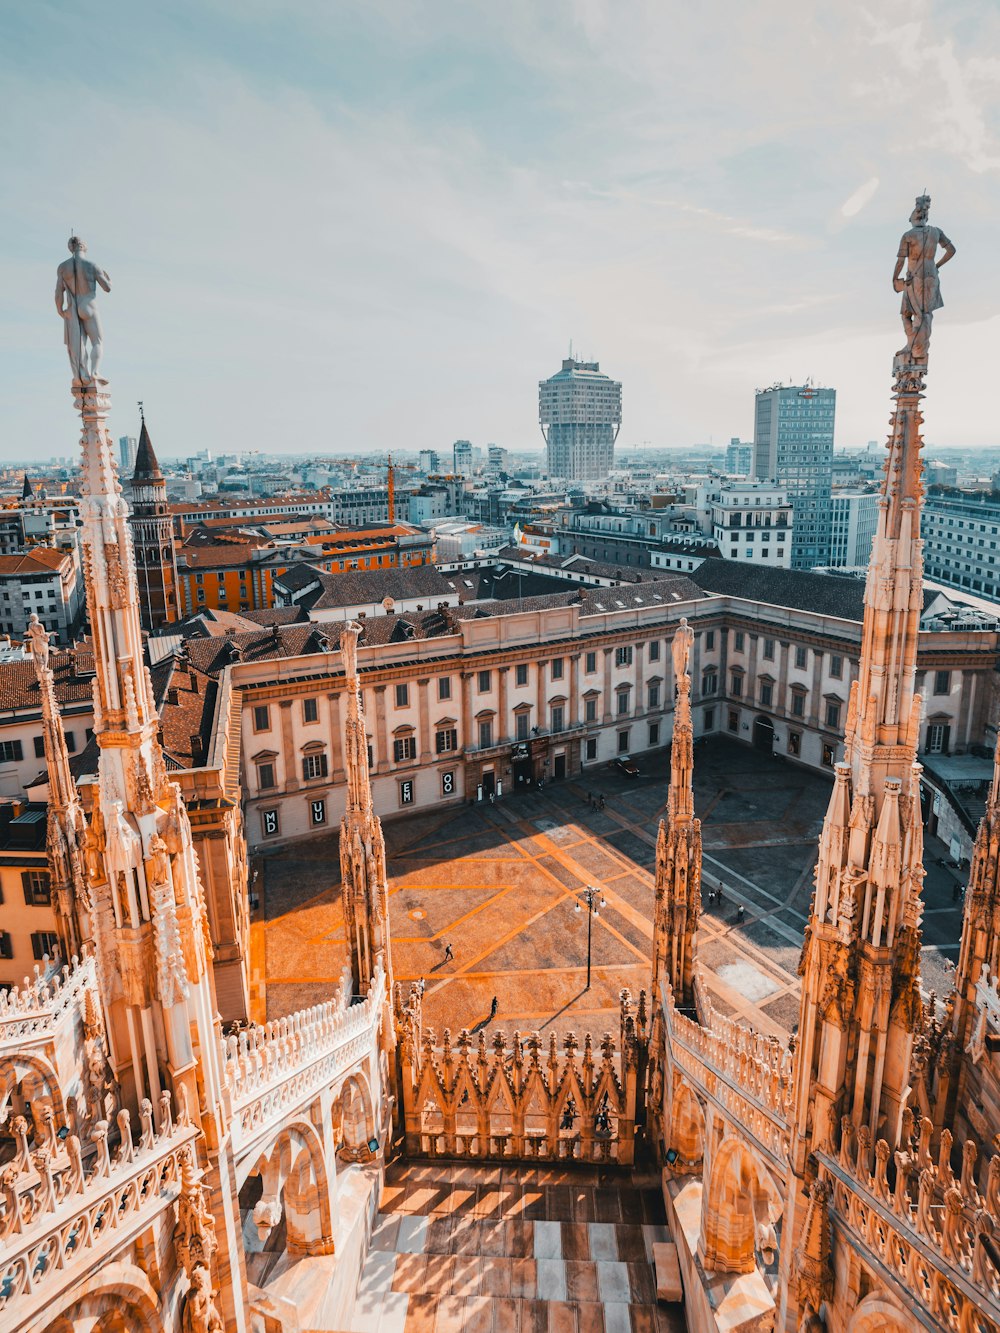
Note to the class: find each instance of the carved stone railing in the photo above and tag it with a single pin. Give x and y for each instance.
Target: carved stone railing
(939, 1243)
(522, 1099)
(758, 1065)
(33, 1011)
(271, 1068)
(60, 1213)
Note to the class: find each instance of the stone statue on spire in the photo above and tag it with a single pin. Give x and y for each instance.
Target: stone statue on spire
(680, 649)
(77, 281)
(921, 286)
(38, 639)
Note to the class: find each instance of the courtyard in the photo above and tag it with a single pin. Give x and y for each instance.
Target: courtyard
(501, 884)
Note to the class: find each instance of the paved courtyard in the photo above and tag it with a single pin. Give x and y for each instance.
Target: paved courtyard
(500, 885)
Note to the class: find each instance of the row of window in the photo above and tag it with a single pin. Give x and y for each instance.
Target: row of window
(44, 943)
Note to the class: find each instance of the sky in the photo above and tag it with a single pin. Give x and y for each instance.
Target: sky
(362, 227)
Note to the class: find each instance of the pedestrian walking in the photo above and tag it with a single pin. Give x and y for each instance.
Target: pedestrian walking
(739, 912)
(494, 1007)
(449, 955)
(602, 801)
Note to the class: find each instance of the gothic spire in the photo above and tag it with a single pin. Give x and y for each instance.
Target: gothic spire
(147, 467)
(27, 490)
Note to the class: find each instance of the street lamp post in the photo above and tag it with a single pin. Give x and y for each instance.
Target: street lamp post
(594, 899)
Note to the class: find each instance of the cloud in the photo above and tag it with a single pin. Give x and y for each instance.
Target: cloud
(863, 195)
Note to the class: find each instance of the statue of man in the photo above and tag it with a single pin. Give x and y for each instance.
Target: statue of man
(77, 281)
(921, 287)
(681, 648)
(38, 638)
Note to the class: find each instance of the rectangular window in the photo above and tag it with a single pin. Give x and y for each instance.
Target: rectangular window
(6, 945)
(265, 777)
(623, 741)
(734, 720)
(270, 823)
(766, 693)
(591, 664)
(937, 738)
(402, 696)
(768, 650)
(557, 668)
(403, 748)
(828, 753)
(37, 887)
(801, 658)
(44, 943)
(654, 650)
(738, 641)
(592, 748)
(654, 733)
(836, 666)
(709, 719)
(709, 682)
(406, 792)
(484, 682)
(736, 684)
(557, 718)
(521, 726)
(70, 741)
(653, 694)
(446, 740)
(261, 718)
(590, 710)
(313, 766)
(622, 702)
(12, 751)
(486, 734)
(832, 714)
(942, 682)
(39, 747)
(444, 688)
(448, 783)
(798, 704)
(310, 710)
(709, 640)
(794, 742)
(623, 656)
(521, 673)
(317, 813)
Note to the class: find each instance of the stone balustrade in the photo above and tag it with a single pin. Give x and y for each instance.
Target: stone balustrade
(932, 1231)
(34, 1009)
(270, 1068)
(757, 1067)
(58, 1208)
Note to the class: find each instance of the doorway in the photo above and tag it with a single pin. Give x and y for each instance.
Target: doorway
(559, 767)
(489, 783)
(763, 734)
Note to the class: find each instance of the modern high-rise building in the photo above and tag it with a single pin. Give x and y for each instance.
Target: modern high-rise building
(127, 445)
(793, 445)
(462, 458)
(739, 458)
(580, 413)
(497, 458)
(853, 520)
(429, 461)
(962, 540)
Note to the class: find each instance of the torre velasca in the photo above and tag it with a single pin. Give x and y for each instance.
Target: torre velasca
(580, 413)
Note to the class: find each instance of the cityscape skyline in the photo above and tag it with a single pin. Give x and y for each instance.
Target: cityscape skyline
(466, 228)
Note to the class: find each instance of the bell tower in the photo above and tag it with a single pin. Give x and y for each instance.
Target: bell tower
(153, 536)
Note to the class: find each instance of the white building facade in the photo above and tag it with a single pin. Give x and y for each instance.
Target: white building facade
(752, 520)
(854, 518)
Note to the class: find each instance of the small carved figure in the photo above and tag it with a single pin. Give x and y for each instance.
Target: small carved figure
(680, 648)
(77, 281)
(38, 638)
(200, 1312)
(921, 287)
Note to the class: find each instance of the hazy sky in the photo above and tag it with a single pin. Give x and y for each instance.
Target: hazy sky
(354, 226)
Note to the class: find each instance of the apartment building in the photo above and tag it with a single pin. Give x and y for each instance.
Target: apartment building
(753, 521)
(961, 531)
(491, 698)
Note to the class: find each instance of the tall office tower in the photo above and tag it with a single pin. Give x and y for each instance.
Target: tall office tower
(739, 458)
(429, 461)
(462, 458)
(580, 413)
(126, 453)
(793, 445)
(153, 538)
(497, 458)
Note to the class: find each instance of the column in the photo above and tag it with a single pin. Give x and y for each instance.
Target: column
(542, 721)
(750, 684)
(467, 737)
(607, 715)
(381, 744)
(780, 702)
(423, 721)
(336, 742)
(575, 711)
(288, 747)
(639, 706)
(815, 697)
(503, 731)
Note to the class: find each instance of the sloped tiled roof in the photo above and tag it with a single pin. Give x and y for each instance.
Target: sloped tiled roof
(73, 681)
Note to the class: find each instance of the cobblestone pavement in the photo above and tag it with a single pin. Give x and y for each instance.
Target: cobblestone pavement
(500, 884)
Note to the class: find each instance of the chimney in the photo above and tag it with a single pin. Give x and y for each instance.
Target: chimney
(197, 750)
(195, 682)
(172, 695)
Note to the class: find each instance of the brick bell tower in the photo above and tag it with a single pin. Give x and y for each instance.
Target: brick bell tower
(153, 538)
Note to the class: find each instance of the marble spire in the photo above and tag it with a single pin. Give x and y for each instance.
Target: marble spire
(362, 846)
